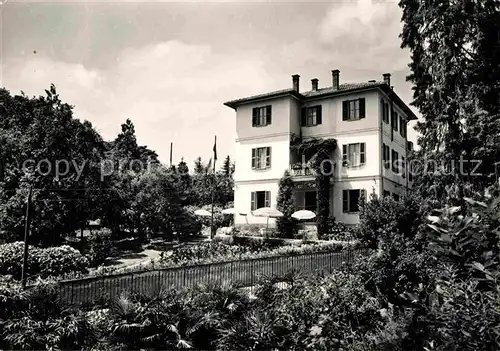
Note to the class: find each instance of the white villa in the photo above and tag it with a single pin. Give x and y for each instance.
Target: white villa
(368, 120)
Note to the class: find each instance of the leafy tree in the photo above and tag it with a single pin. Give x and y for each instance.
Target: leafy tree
(286, 225)
(455, 50)
(198, 166)
(42, 132)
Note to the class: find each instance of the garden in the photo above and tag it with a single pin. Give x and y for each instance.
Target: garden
(430, 284)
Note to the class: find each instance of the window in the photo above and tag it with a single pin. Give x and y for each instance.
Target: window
(260, 199)
(403, 167)
(395, 197)
(386, 156)
(310, 201)
(261, 116)
(351, 199)
(387, 193)
(384, 107)
(353, 155)
(395, 160)
(353, 109)
(402, 126)
(311, 116)
(261, 158)
(395, 121)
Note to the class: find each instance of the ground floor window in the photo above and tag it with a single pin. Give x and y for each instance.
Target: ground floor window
(387, 193)
(351, 198)
(260, 199)
(395, 197)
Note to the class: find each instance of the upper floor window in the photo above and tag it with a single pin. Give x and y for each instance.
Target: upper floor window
(261, 158)
(260, 199)
(384, 107)
(351, 199)
(386, 156)
(353, 155)
(261, 116)
(395, 160)
(311, 116)
(353, 109)
(395, 118)
(402, 126)
(403, 166)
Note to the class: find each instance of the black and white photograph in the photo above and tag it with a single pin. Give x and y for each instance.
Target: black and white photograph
(250, 175)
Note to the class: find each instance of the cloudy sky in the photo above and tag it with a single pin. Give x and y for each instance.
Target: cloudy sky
(169, 66)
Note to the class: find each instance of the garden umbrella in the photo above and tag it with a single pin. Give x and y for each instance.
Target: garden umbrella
(203, 213)
(303, 214)
(267, 212)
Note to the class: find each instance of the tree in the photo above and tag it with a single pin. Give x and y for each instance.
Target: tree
(286, 225)
(198, 166)
(41, 133)
(455, 50)
(226, 166)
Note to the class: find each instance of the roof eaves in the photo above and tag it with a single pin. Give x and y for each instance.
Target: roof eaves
(278, 93)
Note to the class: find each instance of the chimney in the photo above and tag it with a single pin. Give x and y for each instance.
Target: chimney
(295, 81)
(387, 78)
(314, 83)
(335, 79)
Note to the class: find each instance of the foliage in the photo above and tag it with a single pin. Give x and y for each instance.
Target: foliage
(341, 232)
(39, 322)
(286, 225)
(43, 262)
(41, 131)
(100, 247)
(454, 50)
(382, 217)
(321, 151)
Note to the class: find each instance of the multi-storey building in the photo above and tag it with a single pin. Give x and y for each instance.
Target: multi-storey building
(368, 120)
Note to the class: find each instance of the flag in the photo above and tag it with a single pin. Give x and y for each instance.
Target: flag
(215, 150)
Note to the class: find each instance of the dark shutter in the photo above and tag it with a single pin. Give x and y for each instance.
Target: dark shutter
(344, 155)
(382, 109)
(253, 201)
(303, 117)
(387, 112)
(268, 114)
(345, 110)
(267, 199)
(362, 153)
(255, 117)
(268, 157)
(362, 111)
(254, 151)
(318, 114)
(384, 156)
(345, 201)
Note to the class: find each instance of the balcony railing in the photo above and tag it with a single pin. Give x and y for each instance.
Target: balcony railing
(301, 171)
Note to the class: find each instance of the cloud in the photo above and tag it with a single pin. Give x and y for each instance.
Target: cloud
(172, 91)
(361, 36)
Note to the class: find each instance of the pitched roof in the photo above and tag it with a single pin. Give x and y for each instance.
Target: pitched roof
(311, 94)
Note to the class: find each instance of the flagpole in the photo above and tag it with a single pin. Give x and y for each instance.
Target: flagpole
(212, 234)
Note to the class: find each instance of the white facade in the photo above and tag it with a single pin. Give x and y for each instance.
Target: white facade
(285, 110)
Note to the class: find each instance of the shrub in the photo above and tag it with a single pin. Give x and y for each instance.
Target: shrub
(48, 262)
(100, 247)
(188, 223)
(286, 226)
(381, 217)
(57, 261)
(341, 232)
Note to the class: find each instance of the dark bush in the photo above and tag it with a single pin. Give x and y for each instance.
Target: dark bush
(100, 247)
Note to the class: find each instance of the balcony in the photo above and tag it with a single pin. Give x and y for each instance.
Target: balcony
(301, 170)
